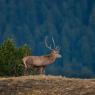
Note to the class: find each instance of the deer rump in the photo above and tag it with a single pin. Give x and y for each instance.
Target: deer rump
(36, 61)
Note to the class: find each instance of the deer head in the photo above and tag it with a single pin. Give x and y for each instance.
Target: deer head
(55, 50)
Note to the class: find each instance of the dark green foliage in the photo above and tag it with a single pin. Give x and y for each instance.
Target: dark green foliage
(11, 58)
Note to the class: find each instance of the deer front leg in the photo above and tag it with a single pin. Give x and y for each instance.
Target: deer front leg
(25, 71)
(42, 71)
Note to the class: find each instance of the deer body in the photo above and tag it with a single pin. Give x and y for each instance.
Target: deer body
(41, 61)
(38, 60)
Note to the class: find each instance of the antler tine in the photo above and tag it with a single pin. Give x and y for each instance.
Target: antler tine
(53, 42)
(49, 47)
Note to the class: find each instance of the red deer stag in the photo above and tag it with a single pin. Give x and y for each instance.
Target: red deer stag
(42, 61)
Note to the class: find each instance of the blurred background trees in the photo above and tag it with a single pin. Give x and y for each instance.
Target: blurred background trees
(70, 22)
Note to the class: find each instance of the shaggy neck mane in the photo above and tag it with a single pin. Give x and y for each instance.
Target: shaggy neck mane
(51, 57)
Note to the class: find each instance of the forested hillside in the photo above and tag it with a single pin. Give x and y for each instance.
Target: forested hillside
(70, 22)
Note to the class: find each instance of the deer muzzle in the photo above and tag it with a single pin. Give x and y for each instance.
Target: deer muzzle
(59, 56)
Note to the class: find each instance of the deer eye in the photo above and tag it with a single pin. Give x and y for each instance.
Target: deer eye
(56, 52)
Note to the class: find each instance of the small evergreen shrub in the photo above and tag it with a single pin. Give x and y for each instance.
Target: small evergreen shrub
(11, 58)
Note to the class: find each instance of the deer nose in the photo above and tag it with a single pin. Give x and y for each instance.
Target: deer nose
(59, 56)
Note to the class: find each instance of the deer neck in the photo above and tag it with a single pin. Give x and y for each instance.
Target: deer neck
(51, 58)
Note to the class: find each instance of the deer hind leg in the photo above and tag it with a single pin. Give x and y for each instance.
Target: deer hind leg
(37, 70)
(25, 69)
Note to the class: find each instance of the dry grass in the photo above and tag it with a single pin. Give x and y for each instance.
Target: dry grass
(46, 85)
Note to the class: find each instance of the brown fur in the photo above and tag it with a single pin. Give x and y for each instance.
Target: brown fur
(40, 61)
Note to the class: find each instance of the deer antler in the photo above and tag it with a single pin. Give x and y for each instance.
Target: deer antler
(53, 42)
(49, 47)
(56, 47)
